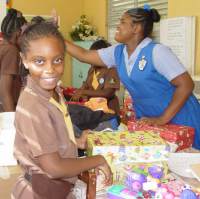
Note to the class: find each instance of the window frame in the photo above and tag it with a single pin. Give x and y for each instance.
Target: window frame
(115, 8)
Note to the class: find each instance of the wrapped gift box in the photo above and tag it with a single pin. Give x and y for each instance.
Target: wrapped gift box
(183, 136)
(128, 103)
(120, 147)
(125, 148)
(127, 115)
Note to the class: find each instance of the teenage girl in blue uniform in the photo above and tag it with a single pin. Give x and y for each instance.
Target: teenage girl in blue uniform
(159, 84)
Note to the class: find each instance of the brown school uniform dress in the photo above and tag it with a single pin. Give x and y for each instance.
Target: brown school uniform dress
(40, 129)
(10, 65)
(106, 78)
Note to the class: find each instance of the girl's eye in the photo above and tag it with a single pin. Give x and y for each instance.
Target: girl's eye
(39, 61)
(58, 60)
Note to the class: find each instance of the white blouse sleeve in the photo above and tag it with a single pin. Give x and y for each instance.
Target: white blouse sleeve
(107, 55)
(166, 62)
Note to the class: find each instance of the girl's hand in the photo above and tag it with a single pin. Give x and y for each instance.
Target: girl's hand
(54, 16)
(153, 121)
(105, 168)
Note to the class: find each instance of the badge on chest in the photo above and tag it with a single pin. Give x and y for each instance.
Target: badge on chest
(142, 63)
(101, 80)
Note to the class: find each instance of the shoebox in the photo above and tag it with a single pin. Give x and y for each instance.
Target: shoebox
(181, 135)
(125, 148)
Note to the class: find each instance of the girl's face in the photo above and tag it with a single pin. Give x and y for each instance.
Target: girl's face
(125, 29)
(45, 61)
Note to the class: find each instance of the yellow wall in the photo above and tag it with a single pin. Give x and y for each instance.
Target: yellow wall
(96, 10)
(68, 10)
(188, 8)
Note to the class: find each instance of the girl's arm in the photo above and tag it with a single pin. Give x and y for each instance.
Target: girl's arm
(184, 87)
(6, 88)
(84, 55)
(106, 92)
(59, 167)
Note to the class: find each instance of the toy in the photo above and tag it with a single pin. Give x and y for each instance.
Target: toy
(188, 194)
(156, 171)
(121, 192)
(135, 179)
(164, 193)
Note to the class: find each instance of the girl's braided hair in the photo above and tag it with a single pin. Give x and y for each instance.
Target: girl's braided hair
(37, 31)
(146, 17)
(12, 22)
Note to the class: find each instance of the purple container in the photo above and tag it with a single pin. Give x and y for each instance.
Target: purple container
(156, 172)
(134, 181)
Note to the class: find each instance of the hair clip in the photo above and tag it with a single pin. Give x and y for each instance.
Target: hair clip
(147, 7)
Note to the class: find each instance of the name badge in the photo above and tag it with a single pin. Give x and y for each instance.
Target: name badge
(101, 80)
(142, 63)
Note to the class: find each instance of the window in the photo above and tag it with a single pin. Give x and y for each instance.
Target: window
(117, 7)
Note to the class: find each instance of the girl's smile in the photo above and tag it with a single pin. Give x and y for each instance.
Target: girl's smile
(49, 81)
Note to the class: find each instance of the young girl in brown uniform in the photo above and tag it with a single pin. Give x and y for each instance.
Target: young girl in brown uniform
(10, 76)
(45, 146)
(101, 82)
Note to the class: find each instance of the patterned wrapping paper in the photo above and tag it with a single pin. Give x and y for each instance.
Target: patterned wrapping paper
(183, 136)
(128, 103)
(117, 148)
(124, 150)
(127, 113)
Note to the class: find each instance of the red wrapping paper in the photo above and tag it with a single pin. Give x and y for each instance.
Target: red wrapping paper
(183, 136)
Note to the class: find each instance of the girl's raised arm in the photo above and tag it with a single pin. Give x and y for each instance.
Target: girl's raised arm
(84, 55)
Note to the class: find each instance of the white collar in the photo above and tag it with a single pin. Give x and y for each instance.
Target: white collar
(141, 45)
(129, 62)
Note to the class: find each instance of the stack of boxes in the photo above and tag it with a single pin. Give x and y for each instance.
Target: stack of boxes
(124, 150)
(182, 136)
(142, 146)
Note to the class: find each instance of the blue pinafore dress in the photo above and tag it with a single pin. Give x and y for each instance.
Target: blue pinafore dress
(152, 92)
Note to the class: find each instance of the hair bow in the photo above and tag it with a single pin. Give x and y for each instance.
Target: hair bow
(147, 7)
